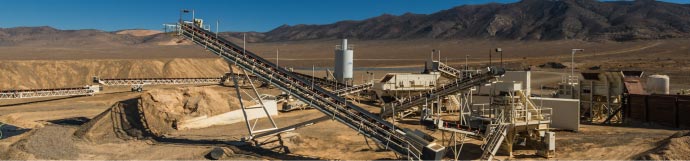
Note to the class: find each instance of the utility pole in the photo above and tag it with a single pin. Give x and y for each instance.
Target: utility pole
(489, 57)
(500, 51)
(439, 56)
(467, 66)
(572, 61)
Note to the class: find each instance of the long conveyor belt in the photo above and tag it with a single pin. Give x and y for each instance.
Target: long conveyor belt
(457, 85)
(53, 92)
(156, 81)
(357, 118)
(343, 90)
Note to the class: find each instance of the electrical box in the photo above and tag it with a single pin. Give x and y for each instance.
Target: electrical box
(550, 139)
(549, 148)
(433, 151)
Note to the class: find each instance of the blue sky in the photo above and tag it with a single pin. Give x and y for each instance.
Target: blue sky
(234, 15)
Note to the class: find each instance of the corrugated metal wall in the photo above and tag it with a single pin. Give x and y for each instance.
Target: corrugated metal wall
(662, 110)
(667, 110)
(684, 111)
(637, 107)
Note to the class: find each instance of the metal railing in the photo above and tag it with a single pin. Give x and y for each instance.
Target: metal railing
(35, 93)
(155, 81)
(443, 68)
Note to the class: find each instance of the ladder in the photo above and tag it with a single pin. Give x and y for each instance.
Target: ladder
(497, 133)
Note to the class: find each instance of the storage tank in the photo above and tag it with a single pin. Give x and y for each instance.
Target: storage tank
(343, 62)
(658, 84)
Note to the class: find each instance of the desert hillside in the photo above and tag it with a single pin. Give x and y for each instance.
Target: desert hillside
(138, 32)
(24, 68)
(524, 20)
(76, 73)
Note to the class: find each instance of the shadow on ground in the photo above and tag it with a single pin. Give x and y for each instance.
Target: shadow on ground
(238, 146)
(7, 131)
(39, 101)
(74, 121)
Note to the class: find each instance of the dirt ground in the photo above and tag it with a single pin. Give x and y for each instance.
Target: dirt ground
(53, 123)
(50, 67)
(45, 127)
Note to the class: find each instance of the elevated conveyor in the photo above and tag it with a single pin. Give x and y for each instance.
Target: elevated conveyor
(370, 125)
(322, 82)
(353, 89)
(156, 81)
(52, 92)
(455, 86)
(447, 71)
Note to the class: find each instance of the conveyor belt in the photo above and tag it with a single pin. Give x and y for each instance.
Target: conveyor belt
(322, 82)
(353, 89)
(52, 92)
(357, 118)
(457, 85)
(342, 90)
(156, 81)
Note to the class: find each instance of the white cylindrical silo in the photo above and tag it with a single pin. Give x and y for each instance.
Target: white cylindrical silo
(658, 84)
(343, 62)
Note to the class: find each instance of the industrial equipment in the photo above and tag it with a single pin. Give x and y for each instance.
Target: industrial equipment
(370, 125)
(343, 62)
(88, 90)
(455, 86)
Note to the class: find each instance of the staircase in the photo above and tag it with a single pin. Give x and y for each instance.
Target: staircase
(496, 134)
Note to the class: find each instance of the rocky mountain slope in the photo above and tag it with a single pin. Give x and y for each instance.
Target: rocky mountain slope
(524, 20)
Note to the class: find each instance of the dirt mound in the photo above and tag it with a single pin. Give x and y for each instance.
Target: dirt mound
(676, 147)
(554, 65)
(175, 41)
(77, 73)
(165, 107)
(138, 32)
(121, 121)
(155, 113)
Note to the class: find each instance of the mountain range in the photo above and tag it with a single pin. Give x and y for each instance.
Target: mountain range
(525, 20)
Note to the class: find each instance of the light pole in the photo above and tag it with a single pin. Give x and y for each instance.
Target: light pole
(489, 57)
(183, 11)
(572, 61)
(500, 51)
(467, 67)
